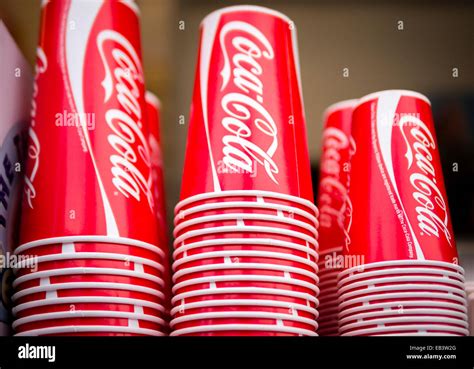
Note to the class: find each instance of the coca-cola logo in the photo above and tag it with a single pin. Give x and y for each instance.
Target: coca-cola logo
(243, 47)
(123, 77)
(431, 208)
(34, 147)
(334, 202)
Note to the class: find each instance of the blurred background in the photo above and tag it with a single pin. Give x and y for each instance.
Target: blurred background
(347, 49)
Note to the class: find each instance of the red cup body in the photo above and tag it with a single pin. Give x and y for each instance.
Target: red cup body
(98, 114)
(400, 208)
(239, 136)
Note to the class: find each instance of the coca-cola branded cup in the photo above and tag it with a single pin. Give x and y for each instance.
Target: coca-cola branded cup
(100, 113)
(103, 233)
(398, 182)
(334, 205)
(401, 240)
(246, 232)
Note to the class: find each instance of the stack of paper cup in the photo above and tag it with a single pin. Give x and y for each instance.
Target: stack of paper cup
(335, 208)
(246, 226)
(93, 259)
(401, 275)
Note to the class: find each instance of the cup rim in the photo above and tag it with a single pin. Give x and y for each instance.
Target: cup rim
(240, 327)
(124, 241)
(244, 302)
(87, 314)
(244, 253)
(415, 296)
(242, 314)
(403, 287)
(69, 256)
(414, 320)
(244, 229)
(376, 281)
(238, 217)
(244, 193)
(244, 241)
(243, 290)
(425, 334)
(87, 270)
(421, 329)
(258, 266)
(407, 262)
(86, 285)
(243, 204)
(407, 312)
(384, 305)
(244, 278)
(90, 329)
(397, 271)
(87, 300)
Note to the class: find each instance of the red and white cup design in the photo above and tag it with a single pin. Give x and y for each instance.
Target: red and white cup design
(334, 205)
(333, 201)
(153, 107)
(397, 188)
(247, 128)
(89, 110)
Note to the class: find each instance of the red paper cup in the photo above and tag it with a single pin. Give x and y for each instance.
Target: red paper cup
(398, 191)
